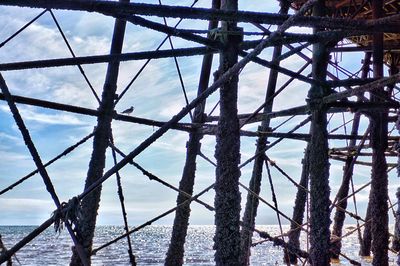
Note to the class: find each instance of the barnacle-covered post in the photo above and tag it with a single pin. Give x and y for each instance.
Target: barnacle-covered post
(341, 196)
(396, 240)
(319, 161)
(86, 225)
(299, 208)
(250, 212)
(175, 254)
(227, 151)
(379, 142)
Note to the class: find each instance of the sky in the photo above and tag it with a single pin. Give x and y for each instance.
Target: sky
(157, 95)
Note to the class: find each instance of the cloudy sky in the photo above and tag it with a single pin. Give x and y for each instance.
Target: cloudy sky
(157, 95)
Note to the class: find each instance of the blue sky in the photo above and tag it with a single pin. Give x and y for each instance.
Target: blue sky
(155, 95)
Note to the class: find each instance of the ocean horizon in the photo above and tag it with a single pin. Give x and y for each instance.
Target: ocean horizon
(150, 246)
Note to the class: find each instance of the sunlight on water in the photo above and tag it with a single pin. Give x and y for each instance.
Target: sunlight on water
(150, 246)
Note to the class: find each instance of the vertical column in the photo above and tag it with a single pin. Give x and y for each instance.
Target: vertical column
(90, 204)
(227, 152)
(175, 254)
(252, 202)
(396, 240)
(319, 161)
(379, 131)
(347, 174)
(299, 208)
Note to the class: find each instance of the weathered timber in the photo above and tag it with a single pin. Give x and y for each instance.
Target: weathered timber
(334, 107)
(379, 179)
(157, 54)
(118, 9)
(252, 202)
(365, 245)
(381, 82)
(299, 208)
(96, 59)
(217, 83)
(175, 253)
(364, 48)
(227, 154)
(319, 161)
(338, 220)
(149, 222)
(336, 103)
(88, 206)
(396, 238)
(194, 198)
(91, 112)
(159, 180)
(395, 147)
(220, 81)
(3, 249)
(39, 164)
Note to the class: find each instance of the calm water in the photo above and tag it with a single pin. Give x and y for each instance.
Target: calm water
(150, 246)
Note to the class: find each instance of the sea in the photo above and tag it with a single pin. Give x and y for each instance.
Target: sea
(150, 246)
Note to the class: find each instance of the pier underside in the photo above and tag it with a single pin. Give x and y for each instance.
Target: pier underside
(238, 115)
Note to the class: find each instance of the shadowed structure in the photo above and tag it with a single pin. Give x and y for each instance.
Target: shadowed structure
(336, 79)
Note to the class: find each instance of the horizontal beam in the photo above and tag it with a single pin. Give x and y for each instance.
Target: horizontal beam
(91, 112)
(58, 62)
(334, 107)
(391, 48)
(116, 9)
(363, 88)
(360, 162)
(286, 38)
(212, 130)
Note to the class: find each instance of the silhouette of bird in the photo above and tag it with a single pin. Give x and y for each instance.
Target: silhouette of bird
(128, 111)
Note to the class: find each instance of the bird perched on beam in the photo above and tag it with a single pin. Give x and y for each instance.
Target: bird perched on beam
(128, 111)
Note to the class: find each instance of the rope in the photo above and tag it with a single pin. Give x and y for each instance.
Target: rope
(279, 242)
(357, 152)
(149, 222)
(155, 178)
(147, 62)
(277, 92)
(252, 192)
(132, 258)
(22, 29)
(73, 55)
(177, 66)
(194, 198)
(36, 158)
(283, 123)
(275, 204)
(64, 153)
(221, 80)
(273, 164)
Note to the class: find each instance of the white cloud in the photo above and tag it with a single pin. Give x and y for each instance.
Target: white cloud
(12, 157)
(14, 139)
(30, 114)
(25, 204)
